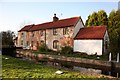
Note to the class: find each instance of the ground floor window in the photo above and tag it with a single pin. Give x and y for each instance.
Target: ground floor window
(41, 42)
(21, 42)
(55, 44)
(27, 43)
(32, 44)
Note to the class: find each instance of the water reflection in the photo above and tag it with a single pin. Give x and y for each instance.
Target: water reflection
(87, 70)
(96, 71)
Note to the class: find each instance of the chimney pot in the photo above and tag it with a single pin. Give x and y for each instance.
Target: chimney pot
(55, 18)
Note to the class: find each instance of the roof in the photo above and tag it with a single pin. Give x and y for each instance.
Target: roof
(26, 28)
(96, 32)
(54, 24)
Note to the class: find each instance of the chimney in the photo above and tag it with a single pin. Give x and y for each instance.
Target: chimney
(55, 18)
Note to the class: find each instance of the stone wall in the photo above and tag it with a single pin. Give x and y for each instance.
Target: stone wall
(88, 63)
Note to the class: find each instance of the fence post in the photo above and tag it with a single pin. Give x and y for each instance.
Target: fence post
(118, 57)
(110, 57)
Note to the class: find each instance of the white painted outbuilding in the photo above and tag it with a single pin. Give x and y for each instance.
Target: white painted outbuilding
(88, 46)
(92, 40)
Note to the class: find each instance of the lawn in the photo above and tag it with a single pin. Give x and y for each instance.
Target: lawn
(18, 68)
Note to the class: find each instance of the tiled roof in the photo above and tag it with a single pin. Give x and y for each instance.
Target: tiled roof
(26, 28)
(54, 24)
(96, 32)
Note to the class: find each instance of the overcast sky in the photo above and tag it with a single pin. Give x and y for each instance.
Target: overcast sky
(14, 15)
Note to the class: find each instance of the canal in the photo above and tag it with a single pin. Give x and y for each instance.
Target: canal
(111, 68)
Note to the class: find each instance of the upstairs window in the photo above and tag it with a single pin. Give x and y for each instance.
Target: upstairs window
(32, 34)
(56, 44)
(22, 35)
(41, 32)
(54, 31)
(65, 30)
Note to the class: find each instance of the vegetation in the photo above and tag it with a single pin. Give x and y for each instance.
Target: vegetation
(69, 53)
(18, 68)
(7, 44)
(44, 48)
(113, 25)
(97, 19)
(7, 38)
(114, 31)
(66, 50)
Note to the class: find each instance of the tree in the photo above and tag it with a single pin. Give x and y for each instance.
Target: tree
(102, 18)
(114, 31)
(86, 24)
(7, 38)
(93, 20)
(8, 43)
(97, 18)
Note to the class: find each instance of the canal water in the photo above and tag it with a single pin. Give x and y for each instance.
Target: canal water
(82, 68)
(87, 70)
(97, 71)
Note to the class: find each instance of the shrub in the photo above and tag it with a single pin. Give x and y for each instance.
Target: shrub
(43, 48)
(11, 51)
(66, 50)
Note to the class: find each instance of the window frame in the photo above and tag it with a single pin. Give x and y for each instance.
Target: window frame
(27, 43)
(55, 44)
(65, 30)
(41, 32)
(42, 42)
(33, 34)
(54, 31)
(22, 42)
(22, 34)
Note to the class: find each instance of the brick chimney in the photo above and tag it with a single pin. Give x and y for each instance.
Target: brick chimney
(55, 18)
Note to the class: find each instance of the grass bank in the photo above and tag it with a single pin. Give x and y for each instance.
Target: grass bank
(17, 68)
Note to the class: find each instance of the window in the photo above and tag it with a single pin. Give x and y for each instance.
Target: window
(65, 30)
(37, 44)
(106, 44)
(27, 43)
(22, 35)
(21, 42)
(54, 31)
(41, 33)
(32, 44)
(32, 34)
(55, 44)
(41, 42)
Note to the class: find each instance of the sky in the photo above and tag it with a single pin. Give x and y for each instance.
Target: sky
(14, 15)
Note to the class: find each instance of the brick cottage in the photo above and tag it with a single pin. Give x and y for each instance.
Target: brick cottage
(55, 34)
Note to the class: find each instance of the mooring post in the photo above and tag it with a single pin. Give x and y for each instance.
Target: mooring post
(111, 63)
(118, 57)
(110, 57)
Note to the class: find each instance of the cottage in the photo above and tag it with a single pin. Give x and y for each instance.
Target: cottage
(55, 34)
(92, 40)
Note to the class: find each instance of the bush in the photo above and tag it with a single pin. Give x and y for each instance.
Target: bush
(43, 48)
(67, 50)
(10, 51)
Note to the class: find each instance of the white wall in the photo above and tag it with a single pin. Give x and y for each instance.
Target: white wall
(88, 46)
(77, 27)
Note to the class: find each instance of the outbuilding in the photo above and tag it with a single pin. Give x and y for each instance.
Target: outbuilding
(92, 40)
